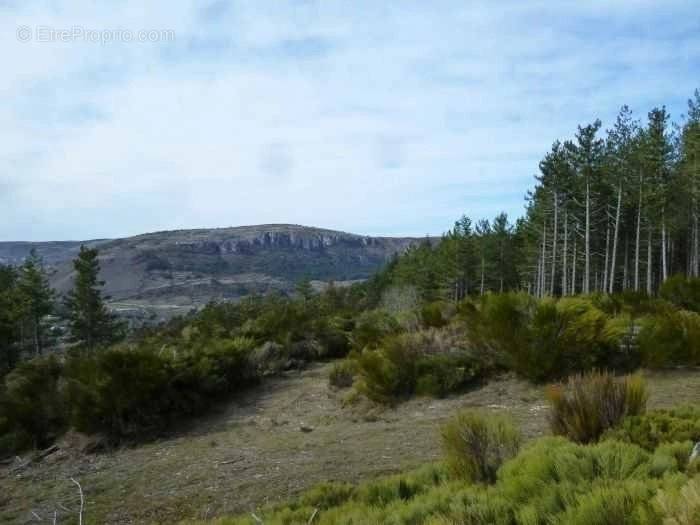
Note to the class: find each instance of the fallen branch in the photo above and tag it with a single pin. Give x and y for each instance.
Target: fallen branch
(229, 461)
(257, 519)
(82, 501)
(312, 517)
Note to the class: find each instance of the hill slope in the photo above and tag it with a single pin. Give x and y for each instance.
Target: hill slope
(251, 451)
(177, 270)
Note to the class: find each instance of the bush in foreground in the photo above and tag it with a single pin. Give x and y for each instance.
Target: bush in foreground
(416, 363)
(475, 445)
(546, 339)
(587, 405)
(550, 481)
(654, 428)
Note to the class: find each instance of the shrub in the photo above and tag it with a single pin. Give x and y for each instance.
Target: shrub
(388, 373)
(682, 506)
(372, 327)
(682, 291)
(588, 405)
(476, 445)
(32, 412)
(416, 363)
(670, 337)
(332, 336)
(117, 392)
(441, 374)
(547, 338)
(432, 316)
(343, 374)
(659, 426)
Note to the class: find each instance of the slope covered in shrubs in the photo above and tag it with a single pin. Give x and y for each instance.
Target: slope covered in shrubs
(552, 480)
(395, 345)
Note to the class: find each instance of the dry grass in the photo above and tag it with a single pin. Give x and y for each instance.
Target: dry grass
(252, 452)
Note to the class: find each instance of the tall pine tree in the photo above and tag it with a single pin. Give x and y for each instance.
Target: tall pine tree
(91, 323)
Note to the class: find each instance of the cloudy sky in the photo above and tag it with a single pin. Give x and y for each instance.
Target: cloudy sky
(372, 117)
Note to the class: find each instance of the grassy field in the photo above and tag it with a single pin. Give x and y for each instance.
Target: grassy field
(278, 440)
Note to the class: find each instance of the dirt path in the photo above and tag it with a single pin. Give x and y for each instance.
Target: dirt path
(286, 436)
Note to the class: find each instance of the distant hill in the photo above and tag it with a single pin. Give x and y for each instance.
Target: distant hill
(174, 271)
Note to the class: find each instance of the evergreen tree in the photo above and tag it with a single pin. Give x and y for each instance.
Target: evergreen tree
(36, 296)
(91, 323)
(9, 319)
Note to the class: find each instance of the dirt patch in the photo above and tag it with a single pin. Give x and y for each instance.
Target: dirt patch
(271, 444)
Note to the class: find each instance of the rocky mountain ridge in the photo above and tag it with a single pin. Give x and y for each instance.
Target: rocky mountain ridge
(173, 271)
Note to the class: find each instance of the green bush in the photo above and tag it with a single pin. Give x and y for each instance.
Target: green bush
(32, 412)
(587, 405)
(416, 363)
(117, 392)
(546, 339)
(659, 426)
(441, 374)
(432, 315)
(680, 506)
(342, 374)
(390, 372)
(682, 291)
(550, 481)
(475, 445)
(372, 327)
(670, 337)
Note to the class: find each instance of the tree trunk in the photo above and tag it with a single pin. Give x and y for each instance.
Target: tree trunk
(649, 264)
(573, 268)
(639, 238)
(611, 284)
(664, 266)
(544, 259)
(554, 243)
(37, 339)
(483, 271)
(607, 258)
(564, 255)
(696, 245)
(587, 266)
(625, 270)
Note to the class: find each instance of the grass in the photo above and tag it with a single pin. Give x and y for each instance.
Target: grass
(183, 476)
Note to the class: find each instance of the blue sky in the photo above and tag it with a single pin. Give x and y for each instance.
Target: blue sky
(388, 118)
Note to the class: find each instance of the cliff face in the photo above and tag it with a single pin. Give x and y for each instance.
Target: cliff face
(185, 268)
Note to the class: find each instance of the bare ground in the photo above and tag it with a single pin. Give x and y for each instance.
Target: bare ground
(289, 434)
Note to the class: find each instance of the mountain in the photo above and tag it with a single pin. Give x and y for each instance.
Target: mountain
(169, 272)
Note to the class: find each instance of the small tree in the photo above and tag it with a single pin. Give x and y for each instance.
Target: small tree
(9, 319)
(91, 323)
(36, 296)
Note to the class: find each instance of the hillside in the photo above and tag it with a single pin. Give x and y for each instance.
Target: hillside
(173, 271)
(252, 451)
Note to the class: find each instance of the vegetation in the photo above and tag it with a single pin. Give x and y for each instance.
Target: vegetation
(551, 480)
(588, 405)
(609, 213)
(90, 321)
(476, 445)
(606, 221)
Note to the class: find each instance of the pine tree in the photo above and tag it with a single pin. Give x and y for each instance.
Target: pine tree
(91, 323)
(36, 296)
(9, 319)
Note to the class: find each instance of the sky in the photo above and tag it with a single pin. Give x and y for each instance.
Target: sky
(379, 118)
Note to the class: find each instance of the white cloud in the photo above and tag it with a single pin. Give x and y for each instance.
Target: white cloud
(368, 117)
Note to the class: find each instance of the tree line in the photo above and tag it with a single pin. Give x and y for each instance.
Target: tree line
(610, 211)
(26, 299)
